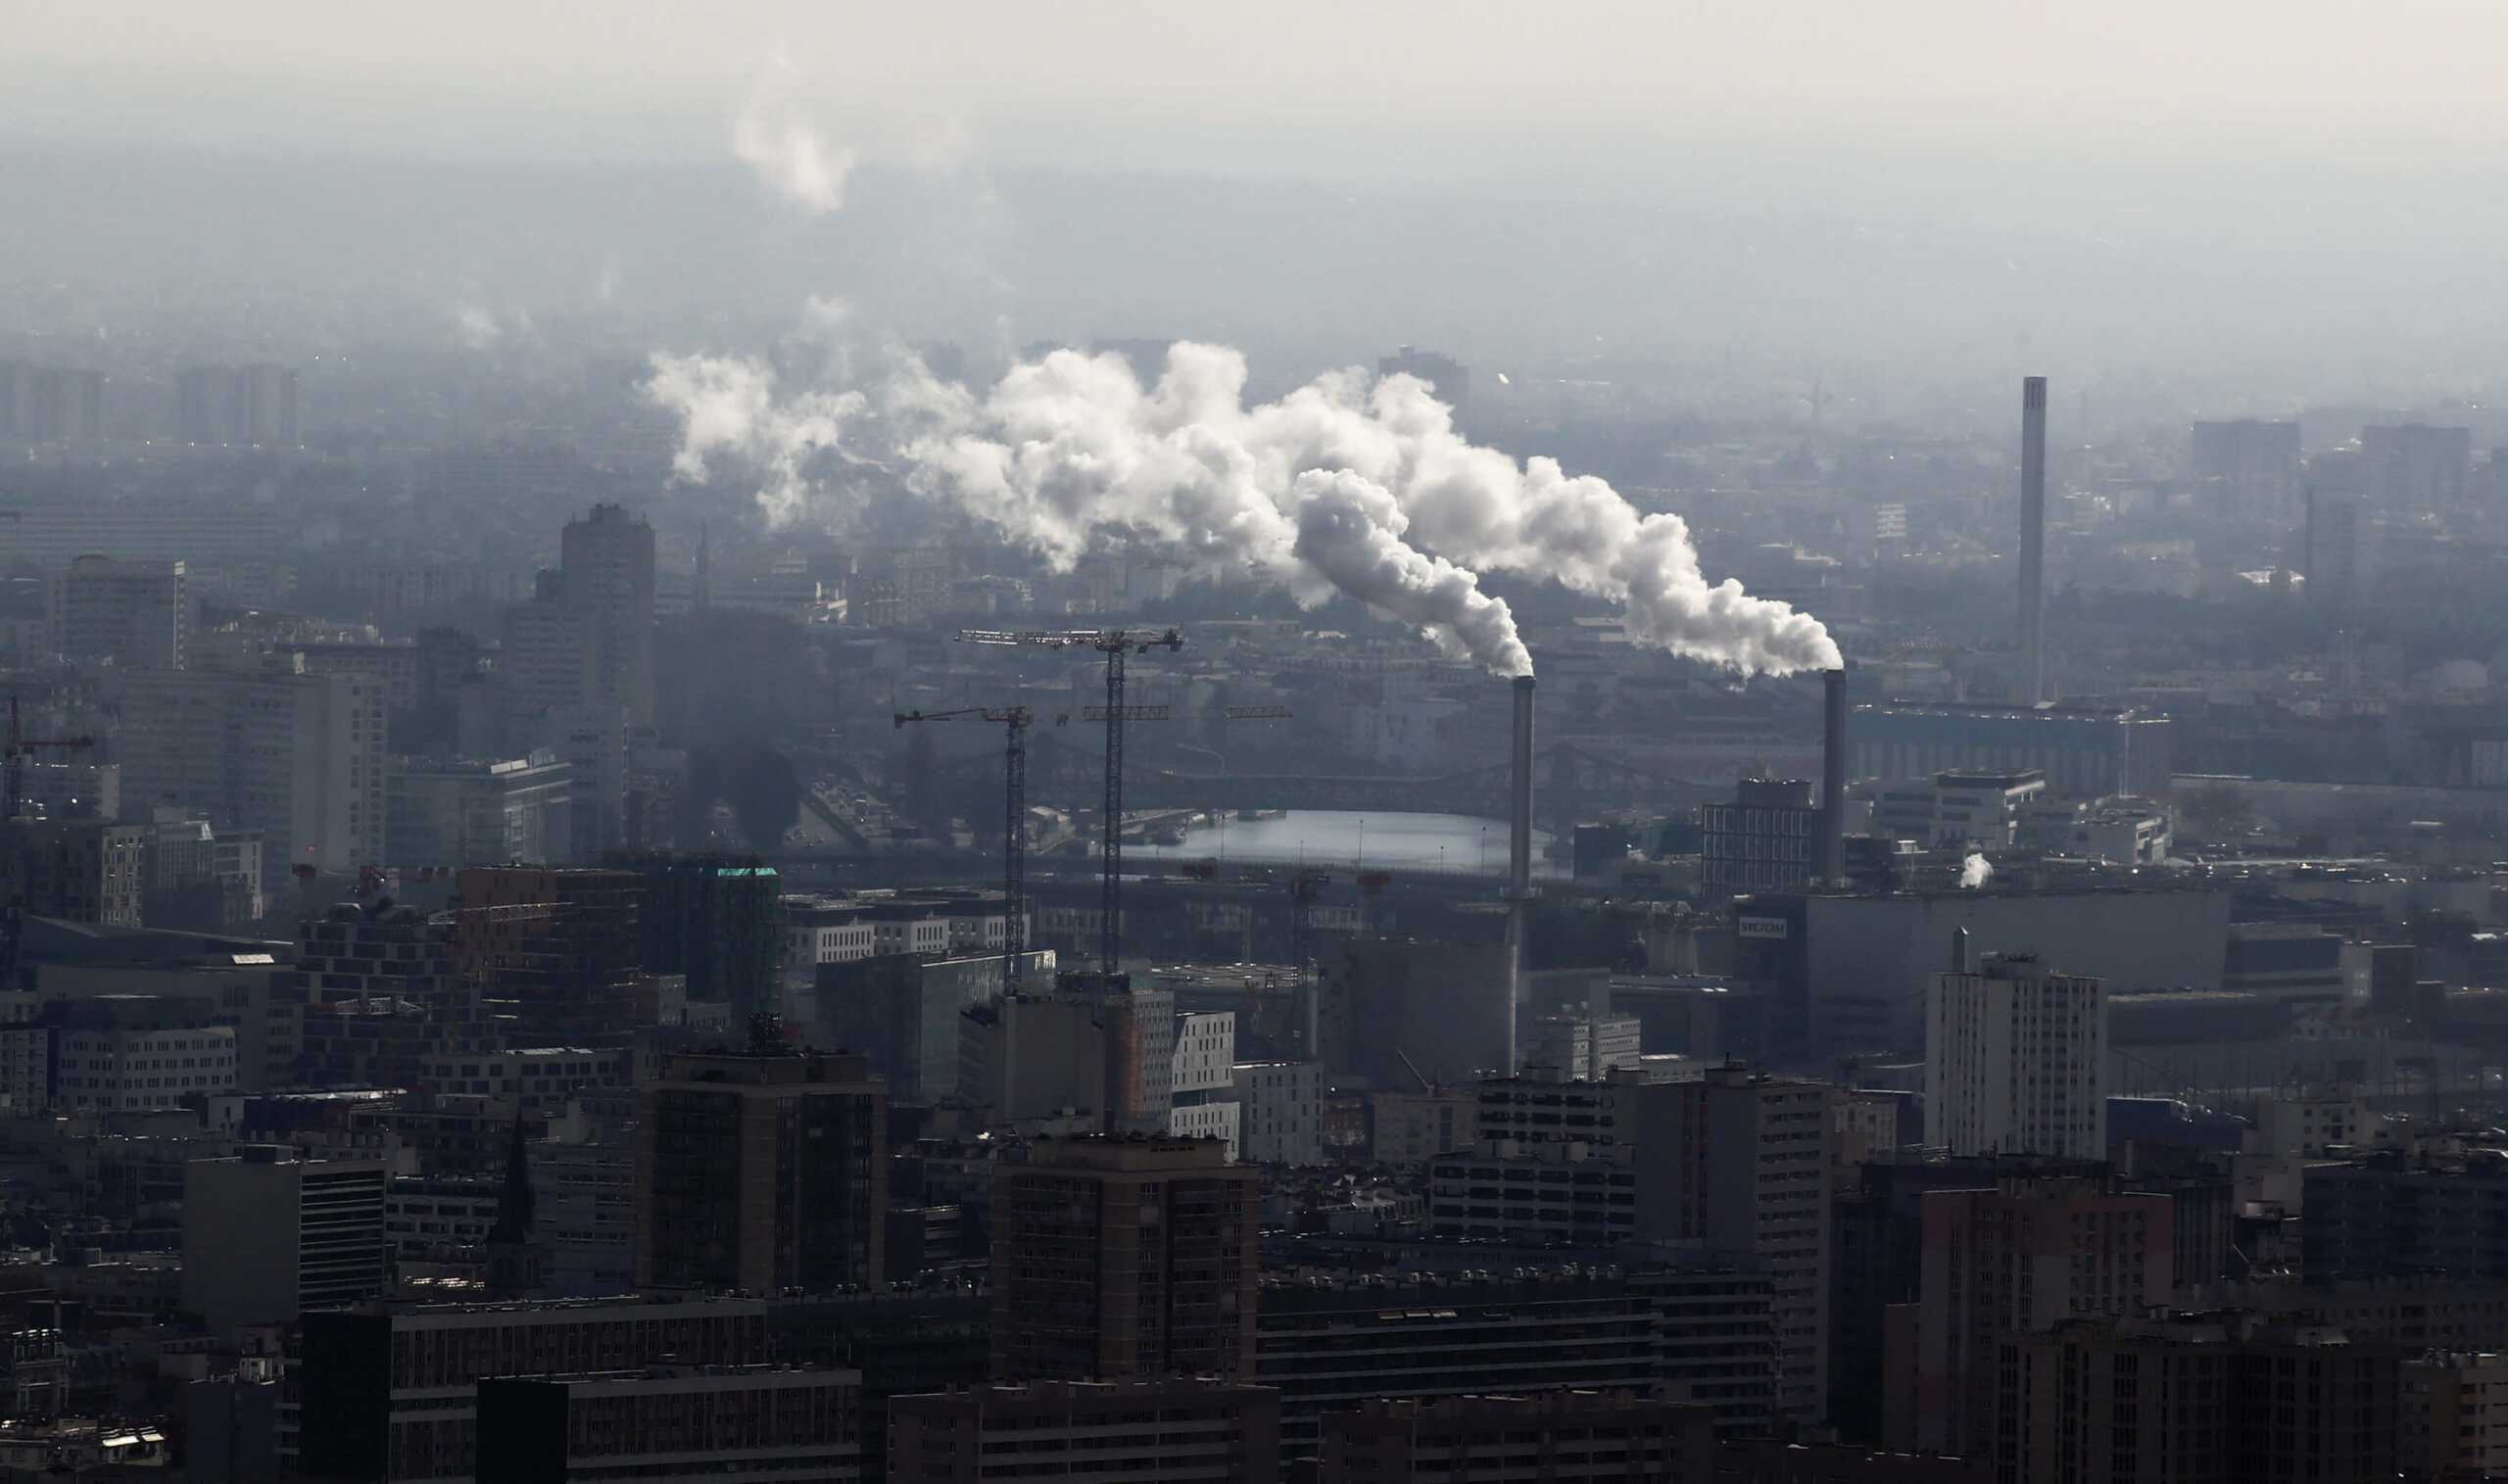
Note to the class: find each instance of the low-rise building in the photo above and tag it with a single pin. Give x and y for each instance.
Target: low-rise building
(1558, 1437)
(1087, 1432)
(776, 1425)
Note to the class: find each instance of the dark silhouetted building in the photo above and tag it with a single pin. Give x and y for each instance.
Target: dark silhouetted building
(763, 1170)
(1121, 1257)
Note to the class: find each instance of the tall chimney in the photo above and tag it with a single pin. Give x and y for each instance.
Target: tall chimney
(1520, 795)
(1832, 861)
(1518, 857)
(2033, 535)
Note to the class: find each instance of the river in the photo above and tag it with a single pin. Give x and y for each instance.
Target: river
(1346, 839)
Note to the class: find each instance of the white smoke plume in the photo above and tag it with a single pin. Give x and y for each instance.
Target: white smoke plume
(775, 135)
(1363, 486)
(729, 406)
(1975, 871)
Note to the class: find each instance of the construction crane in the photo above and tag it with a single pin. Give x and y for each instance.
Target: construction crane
(20, 745)
(1014, 721)
(1115, 645)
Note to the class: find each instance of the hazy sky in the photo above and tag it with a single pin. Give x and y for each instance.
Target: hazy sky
(1283, 84)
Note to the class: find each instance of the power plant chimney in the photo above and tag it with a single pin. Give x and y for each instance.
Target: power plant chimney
(1832, 861)
(1520, 795)
(1519, 856)
(2033, 535)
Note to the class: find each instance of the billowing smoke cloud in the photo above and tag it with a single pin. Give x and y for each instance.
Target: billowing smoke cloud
(1343, 484)
(729, 406)
(775, 135)
(1975, 871)
(1350, 531)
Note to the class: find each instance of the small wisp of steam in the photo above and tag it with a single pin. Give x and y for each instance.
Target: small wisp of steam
(1974, 871)
(775, 135)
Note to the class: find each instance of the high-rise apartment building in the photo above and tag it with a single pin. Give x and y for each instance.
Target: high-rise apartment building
(240, 406)
(135, 615)
(2199, 1397)
(1126, 1257)
(268, 1237)
(763, 1170)
(297, 756)
(586, 636)
(2015, 1061)
(1738, 1166)
(2414, 468)
(2015, 1260)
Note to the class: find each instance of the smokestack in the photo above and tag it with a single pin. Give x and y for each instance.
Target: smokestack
(1520, 795)
(1518, 856)
(1832, 862)
(2033, 535)
(1959, 950)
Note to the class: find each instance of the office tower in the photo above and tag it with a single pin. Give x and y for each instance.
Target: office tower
(607, 571)
(559, 949)
(1766, 840)
(2016, 1060)
(469, 811)
(763, 1170)
(2033, 540)
(1448, 378)
(1123, 1257)
(2200, 1397)
(76, 870)
(719, 921)
(2013, 1259)
(268, 1237)
(776, 1425)
(1082, 1432)
(1556, 1437)
(391, 1391)
(135, 615)
(2247, 469)
(2413, 468)
(296, 756)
